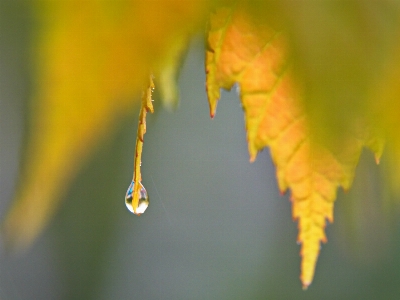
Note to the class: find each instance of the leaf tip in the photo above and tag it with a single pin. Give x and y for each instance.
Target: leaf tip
(213, 108)
(252, 151)
(306, 285)
(305, 282)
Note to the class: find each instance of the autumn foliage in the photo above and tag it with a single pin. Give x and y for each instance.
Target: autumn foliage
(81, 92)
(255, 56)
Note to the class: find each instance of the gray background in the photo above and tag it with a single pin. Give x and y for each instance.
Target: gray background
(216, 227)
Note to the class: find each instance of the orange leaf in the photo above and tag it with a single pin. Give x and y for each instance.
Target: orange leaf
(242, 51)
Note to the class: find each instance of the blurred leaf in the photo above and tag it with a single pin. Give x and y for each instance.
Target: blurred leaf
(384, 111)
(255, 56)
(319, 81)
(340, 50)
(92, 60)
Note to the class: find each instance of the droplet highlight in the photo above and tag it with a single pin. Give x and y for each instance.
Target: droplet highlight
(143, 199)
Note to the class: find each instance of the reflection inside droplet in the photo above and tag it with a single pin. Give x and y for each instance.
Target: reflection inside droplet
(143, 199)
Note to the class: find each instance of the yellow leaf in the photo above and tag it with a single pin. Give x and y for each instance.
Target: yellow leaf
(169, 73)
(243, 51)
(384, 112)
(92, 59)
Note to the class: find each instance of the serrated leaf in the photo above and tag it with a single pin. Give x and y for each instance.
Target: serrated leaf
(242, 51)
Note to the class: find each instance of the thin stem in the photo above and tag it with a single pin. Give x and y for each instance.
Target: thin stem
(147, 106)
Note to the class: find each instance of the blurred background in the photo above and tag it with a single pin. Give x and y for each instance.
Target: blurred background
(216, 227)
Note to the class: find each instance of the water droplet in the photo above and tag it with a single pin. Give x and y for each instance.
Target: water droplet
(143, 199)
